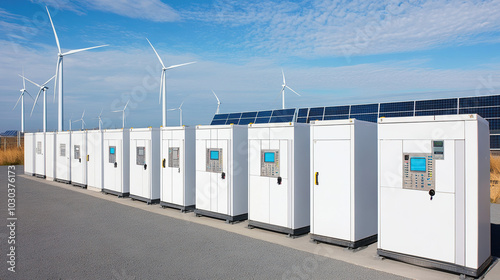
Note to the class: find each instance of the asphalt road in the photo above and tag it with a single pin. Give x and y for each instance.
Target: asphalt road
(63, 234)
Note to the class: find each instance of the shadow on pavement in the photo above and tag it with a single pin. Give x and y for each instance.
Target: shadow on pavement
(495, 240)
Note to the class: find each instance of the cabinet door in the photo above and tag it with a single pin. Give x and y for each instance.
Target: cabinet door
(166, 184)
(177, 173)
(332, 188)
(222, 185)
(203, 178)
(280, 194)
(258, 188)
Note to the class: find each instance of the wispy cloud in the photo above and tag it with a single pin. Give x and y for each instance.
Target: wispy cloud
(153, 10)
(349, 28)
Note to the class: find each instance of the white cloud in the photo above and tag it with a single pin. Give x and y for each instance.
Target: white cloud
(153, 10)
(108, 77)
(351, 28)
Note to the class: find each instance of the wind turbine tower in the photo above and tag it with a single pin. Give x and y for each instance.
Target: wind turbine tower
(43, 88)
(284, 85)
(58, 82)
(21, 97)
(163, 89)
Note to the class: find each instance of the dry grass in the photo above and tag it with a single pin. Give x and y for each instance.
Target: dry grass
(13, 156)
(495, 179)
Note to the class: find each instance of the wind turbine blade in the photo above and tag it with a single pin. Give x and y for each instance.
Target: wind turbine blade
(126, 105)
(283, 73)
(17, 101)
(56, 75)
(24, 82)
(179, 65)
(101, 112)
(48, 80)
(116, 111)
(161, 85)
(159, 58)
(81, 50)
(29, 95)
(83, 113)
(172, 109)
(30, 81)
(218, 101)
(292, 90)
(36, 99)
(181, 105)
(53, 28)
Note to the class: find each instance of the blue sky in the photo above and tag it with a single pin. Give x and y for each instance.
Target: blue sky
(332, 52)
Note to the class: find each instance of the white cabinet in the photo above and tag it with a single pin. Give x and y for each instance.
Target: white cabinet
(178, 174)
(145, 164)
(344, 182)
(221, 172)
(278, 187)
(79, 158)
(433, 189)
(116, 162)
(63, 157)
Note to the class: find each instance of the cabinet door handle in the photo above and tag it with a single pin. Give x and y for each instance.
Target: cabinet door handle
(116, 164)
(279, 180)
(223, 175)
(88, 156)
(145, 166)
(163, 163)
(316, 178)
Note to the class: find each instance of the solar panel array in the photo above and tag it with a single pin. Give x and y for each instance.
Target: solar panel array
(487, 107)
(270, 116)
(9, 133)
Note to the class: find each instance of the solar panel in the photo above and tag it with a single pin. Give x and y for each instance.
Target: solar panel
(363, 109)
(436, 112)
(397, 106)
(436, 104)
(479, 101)
(9, 133)
(245, 118)
(494, 141)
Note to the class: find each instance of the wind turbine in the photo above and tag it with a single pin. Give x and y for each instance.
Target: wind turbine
(123, 111)
(218, 102)
(163, 89)
(100, 120)
(43, 88)
(21, 97)
(81, 119)
(284, 85)
(180, 112)
(59, 75)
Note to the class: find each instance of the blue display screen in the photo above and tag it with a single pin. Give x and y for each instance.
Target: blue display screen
(112, 150)
(268, 157)
(417, 164)
(214, 155)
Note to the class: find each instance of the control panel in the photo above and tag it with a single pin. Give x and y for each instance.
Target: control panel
(77, 152)
(418, 171)
(214, 160)
(140, 158)
(270, 163)
(62, 150)
(438, 149)
(112, 154)
(173, 157)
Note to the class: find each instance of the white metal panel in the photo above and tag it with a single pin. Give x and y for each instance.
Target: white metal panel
(445, 178)
(203, 178)
(223, 195)
(459, 187)
(50, 139)
(422, 131)
(413, 224)
(332, 195)
(79, 165)
(177, 174)
(280, 202)
(29, 153)
(277, 133)
(39, 144)
(417, 146)
(166, 181)
(391, 163)
(331, 132)
(95, 146)
(63, 162)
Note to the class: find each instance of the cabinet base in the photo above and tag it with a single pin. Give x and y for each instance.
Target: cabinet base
(227, 218)
(346, 243)
(439, 265)
(289, 231)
